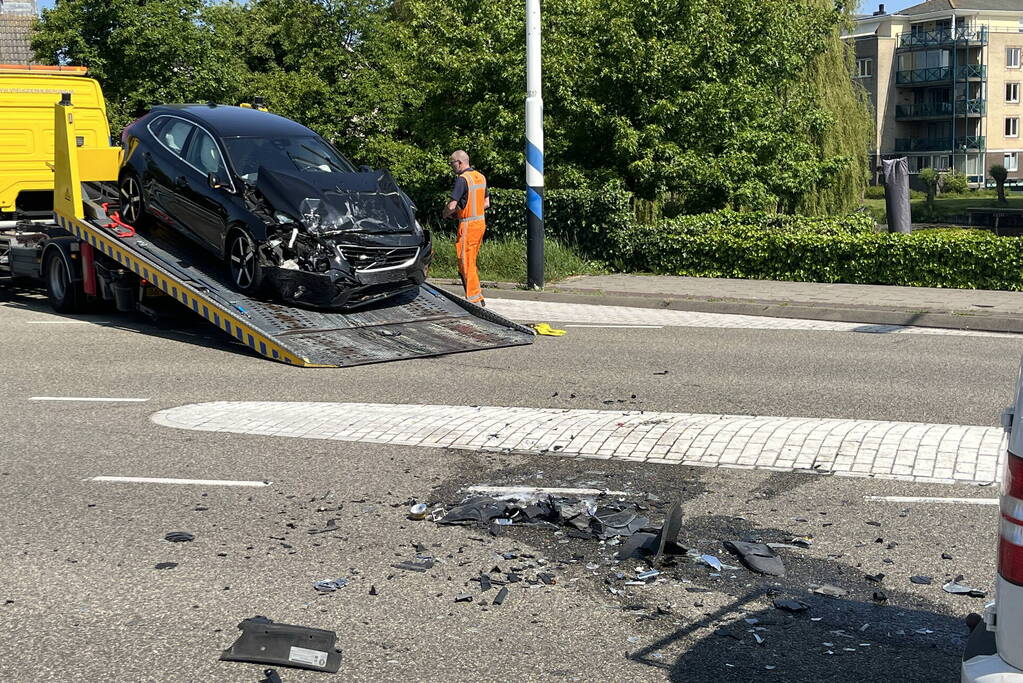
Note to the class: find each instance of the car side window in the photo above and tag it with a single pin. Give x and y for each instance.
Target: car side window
(205, 156)
(158, 124)
(175, 135)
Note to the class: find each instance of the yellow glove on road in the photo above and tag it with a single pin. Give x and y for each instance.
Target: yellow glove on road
(547, 330)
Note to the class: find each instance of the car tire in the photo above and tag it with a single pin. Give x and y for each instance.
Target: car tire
(243, 263)
(63, 291)
(133, 204)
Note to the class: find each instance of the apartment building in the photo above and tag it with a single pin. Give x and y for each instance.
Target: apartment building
(944, 78)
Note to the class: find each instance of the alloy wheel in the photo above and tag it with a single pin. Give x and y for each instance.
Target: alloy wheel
(131, 200)
(242, 257)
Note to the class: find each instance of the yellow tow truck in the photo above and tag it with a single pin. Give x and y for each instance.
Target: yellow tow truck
(59, 226)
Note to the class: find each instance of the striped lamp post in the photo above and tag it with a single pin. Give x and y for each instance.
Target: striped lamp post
(534, 150)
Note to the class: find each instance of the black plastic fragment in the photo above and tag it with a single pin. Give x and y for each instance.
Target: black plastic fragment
(264, 642)
(415, 566)
(485, 582)
(548, 579)
(271, 676)
(179, 537)
(501, 595)
(463, 597)
(478, 510)
(330, 526)
(757, 557)
(921, 580)
(791, 605)
(166, 565)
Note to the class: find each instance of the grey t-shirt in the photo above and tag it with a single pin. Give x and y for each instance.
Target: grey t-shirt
(460, 193)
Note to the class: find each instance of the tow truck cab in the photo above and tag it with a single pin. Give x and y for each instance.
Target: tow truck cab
(27, 97)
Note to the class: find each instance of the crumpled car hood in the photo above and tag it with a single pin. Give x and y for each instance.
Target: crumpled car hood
(330, 203)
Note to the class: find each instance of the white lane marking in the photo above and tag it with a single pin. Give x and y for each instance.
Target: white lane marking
(894, 450)
(88, 398)
(197, 482)
(624, 327)
(531, 311)
(925, 499)
(527, 490)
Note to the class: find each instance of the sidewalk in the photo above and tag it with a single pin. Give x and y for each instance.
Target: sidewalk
(966, 309)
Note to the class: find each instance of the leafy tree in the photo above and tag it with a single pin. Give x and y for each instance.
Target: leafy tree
(930, 178)
(142, 51)
(999, 173)
(746, 103)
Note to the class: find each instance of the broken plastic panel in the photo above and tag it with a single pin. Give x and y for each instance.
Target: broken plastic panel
(264, 642)
(757, 557)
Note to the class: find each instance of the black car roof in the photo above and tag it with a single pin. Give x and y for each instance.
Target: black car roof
(225, 121)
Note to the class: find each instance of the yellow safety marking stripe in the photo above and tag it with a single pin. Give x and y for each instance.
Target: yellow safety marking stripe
(182, 293)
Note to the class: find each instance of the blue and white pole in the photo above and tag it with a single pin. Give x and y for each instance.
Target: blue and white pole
(534, 150)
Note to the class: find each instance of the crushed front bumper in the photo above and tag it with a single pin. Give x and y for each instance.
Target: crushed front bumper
(350, 289)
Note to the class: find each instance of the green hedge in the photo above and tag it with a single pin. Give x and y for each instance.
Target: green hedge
(601, 226)
(843, 252)
(595, 222)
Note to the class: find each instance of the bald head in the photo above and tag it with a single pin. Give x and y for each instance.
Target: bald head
(459, 161)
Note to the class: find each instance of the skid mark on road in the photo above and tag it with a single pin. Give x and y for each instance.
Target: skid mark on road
(895, 450)
(607, 316)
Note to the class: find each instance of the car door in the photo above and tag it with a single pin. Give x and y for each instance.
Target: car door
(202, 206)
(166, 170)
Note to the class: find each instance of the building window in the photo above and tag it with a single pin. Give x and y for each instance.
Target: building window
(1012, 57)
(1012, 126)
(1012, 92)
(864, 68)
(1011, 161)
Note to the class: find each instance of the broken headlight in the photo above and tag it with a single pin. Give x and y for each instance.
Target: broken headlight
(311, 217)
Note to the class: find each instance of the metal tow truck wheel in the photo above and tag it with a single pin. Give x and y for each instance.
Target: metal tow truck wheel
(65, 295)
(243, 262)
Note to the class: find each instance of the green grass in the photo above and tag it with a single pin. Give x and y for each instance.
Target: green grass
(944, 206)
(505, 260)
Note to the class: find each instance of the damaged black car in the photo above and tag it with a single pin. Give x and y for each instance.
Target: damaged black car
(276, 201)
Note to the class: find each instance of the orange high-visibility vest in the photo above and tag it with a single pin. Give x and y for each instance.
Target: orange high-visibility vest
(473, 209)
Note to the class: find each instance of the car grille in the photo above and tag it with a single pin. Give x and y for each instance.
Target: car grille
(367, 259)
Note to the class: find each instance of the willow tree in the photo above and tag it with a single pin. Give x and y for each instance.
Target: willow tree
(845, 137)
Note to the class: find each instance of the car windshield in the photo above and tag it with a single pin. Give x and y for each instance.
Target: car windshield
(307, 154)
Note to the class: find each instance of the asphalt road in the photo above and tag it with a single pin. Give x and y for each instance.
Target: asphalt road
(81, 598)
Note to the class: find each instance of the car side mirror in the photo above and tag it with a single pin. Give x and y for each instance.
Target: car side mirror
(214, 182)
(366, 169)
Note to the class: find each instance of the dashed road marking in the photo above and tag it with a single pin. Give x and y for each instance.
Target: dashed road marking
(604, 316)
(542, 491)
(925, 499)
(67, 322)
(896, 450)
(100, 399)
(164, 480)
(620, 327)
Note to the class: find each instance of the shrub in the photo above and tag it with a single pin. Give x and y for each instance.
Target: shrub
(874, 192)
(954, 183)
(843, 251)
(590, 220)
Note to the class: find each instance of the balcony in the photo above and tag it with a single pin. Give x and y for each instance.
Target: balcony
(975, 142)
(942, 38)
(938, 74)
(936, 110)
